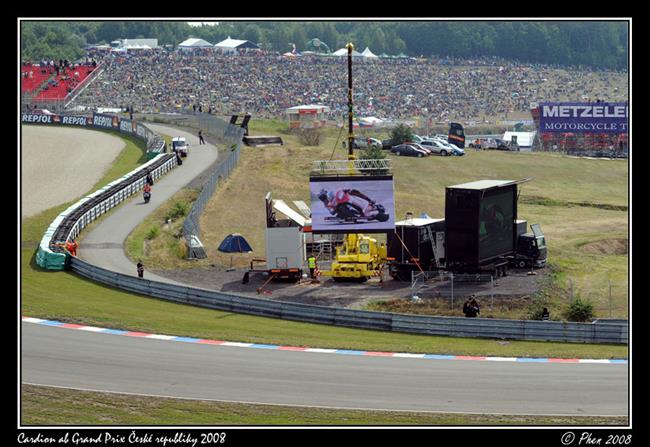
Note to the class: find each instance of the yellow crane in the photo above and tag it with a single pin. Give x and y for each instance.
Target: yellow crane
(359, 257)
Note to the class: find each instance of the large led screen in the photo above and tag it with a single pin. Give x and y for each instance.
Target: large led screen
(352, 204)
(496, 219)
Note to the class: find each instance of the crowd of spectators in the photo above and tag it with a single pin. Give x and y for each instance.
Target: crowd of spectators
(266, 84)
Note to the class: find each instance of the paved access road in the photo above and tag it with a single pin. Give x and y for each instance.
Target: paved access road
(103, 246)
(78, 359)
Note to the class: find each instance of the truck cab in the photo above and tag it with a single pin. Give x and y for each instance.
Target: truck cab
(531, 249)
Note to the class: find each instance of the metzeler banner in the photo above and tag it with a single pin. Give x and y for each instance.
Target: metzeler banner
(583, 117)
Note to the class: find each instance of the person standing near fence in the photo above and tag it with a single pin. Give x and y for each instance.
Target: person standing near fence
(546, 315)
(140, 269)
(312, 266)
(201, 140)
(466, 309)
(475, 309)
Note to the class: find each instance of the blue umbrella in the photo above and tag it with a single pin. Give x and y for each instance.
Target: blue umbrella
(234, 243)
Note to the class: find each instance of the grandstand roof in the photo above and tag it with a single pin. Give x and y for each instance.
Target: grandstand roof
(195, 43)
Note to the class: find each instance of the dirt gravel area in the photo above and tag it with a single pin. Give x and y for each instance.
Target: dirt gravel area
(59, 164)
(326, 292)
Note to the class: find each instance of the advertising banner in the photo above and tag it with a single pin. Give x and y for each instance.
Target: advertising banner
(106, 121)
(582, 117)
(37, 118)
(74, 120)
(127, 126)
(40, 118)
(352, 204)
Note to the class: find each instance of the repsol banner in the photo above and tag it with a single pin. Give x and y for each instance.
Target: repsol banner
(73, 120)
(54, 119)
(582, 117)
(127, 126)
(106, 121)
(37, 118)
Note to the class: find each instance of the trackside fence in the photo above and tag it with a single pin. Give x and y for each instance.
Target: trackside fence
(67, 225)
(417, 324)
(231, 135)
(72, 221)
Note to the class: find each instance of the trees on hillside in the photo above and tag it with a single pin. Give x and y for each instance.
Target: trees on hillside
(589, 43)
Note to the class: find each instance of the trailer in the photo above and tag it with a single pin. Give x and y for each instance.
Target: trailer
(481, 229)
(419, 245)
(416, 244)
(285, 241)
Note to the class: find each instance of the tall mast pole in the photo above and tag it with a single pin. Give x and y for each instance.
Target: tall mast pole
(351, 156)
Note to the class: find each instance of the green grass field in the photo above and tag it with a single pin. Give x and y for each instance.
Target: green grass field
(67, 297)
(53, 406)
(581, 205)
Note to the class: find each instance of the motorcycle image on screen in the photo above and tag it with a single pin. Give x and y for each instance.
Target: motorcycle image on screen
(351, 206)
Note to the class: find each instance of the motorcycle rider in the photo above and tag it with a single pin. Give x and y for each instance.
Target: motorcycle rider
(146, 192)
(354, 197)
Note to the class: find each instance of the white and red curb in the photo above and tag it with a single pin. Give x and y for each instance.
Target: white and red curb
(319, 350)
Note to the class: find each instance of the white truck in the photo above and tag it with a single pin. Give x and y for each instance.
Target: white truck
(180, 145)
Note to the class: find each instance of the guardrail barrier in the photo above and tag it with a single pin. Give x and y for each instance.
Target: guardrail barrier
(74, 219)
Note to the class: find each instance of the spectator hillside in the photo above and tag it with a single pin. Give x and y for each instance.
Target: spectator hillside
(265, 84)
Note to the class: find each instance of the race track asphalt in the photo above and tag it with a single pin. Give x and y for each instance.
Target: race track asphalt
(104, 362)
(64, 357)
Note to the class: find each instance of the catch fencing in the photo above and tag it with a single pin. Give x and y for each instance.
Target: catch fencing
(231, 136)
(420, 281)
(612, 332)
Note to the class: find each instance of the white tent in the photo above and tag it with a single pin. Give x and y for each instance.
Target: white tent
(344, 52)
(231, 45)
(192, 43)
(369, 54)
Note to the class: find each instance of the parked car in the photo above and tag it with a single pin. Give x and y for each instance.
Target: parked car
(408, 149)
(363, 143)
(455, 150)
(387, 144)
(373, 142)
(483, 143)
(437, 147)
(458, 151)
(505, 145)
(419, 146)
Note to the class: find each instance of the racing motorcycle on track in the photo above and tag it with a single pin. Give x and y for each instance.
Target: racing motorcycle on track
(351, 206)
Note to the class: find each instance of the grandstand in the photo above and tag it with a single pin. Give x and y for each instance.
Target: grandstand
(33, 76)
(42, 83)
